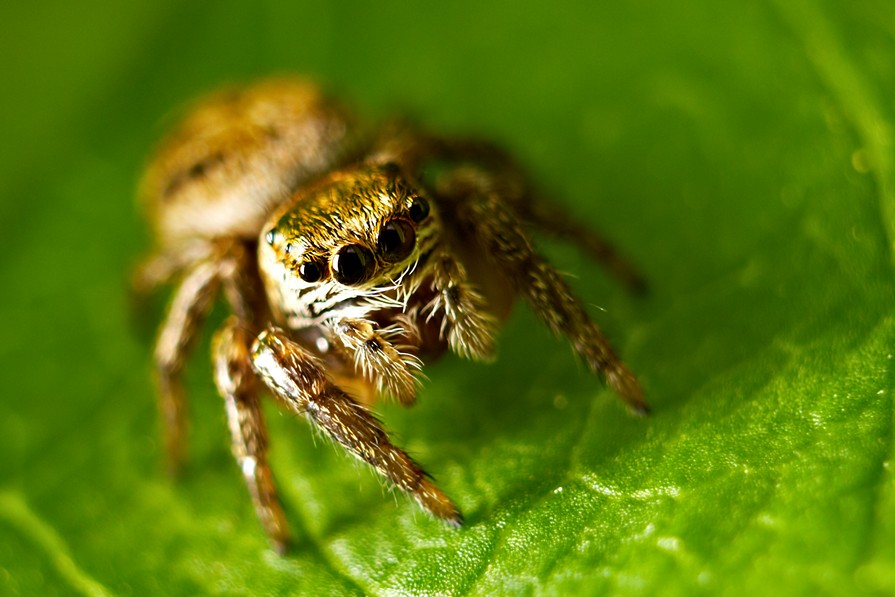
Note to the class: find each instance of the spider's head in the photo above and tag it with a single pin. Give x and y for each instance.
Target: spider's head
(357, 234)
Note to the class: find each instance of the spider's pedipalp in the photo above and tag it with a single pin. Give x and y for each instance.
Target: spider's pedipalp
(469, 328)
(374, 356)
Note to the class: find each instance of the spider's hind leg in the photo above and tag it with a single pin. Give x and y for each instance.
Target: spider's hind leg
(484, 214)
(562, 225)
(509, 180)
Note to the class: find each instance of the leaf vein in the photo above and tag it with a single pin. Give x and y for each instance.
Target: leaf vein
(16, 511)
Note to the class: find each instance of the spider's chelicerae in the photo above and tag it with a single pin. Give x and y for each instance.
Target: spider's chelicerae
(349, 256)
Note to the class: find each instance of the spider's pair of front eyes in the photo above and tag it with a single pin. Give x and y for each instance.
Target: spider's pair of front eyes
(354, 263)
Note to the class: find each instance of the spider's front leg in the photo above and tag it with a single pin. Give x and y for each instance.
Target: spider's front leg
(484, 215)
(299, 381)
(237, 383)
(376, 355)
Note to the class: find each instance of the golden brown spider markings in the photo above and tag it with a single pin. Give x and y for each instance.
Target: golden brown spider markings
(345, 269)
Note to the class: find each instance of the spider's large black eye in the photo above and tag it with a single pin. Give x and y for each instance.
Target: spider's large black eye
(352, 264)
(310, 271)
(396, 240)
(419, 209)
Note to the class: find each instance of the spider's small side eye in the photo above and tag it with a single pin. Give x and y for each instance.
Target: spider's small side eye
(390, 168)
(310, 271)
(352, 264)
(419, 209)
(396, 240)
(271, 236)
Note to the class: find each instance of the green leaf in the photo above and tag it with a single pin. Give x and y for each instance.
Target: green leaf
(742, 153)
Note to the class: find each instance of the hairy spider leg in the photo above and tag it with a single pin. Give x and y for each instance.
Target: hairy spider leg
(237, 384)
(299, 381)
(559, 223)
(412, 149)
(160, 268)
(187, 310)
(499, 231)
(225, 261)
(548, 216)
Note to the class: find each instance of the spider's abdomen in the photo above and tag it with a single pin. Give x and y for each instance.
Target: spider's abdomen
(240, 153)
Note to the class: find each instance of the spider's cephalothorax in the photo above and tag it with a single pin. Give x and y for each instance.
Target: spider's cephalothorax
(344, 272)
(352, 243)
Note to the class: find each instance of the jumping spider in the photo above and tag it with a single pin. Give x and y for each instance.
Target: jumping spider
(348, 257)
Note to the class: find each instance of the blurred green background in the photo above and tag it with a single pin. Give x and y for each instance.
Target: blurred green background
(740, 152)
